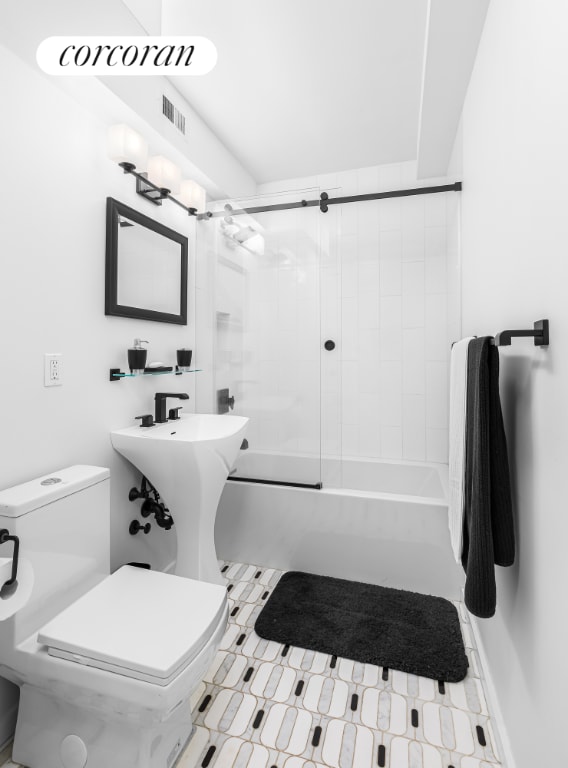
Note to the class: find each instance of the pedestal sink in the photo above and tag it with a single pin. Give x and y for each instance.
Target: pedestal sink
(188, 461)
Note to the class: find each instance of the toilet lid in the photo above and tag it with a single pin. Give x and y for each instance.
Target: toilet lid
(138, 622)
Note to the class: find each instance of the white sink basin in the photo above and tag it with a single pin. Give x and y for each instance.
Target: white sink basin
(188, 461)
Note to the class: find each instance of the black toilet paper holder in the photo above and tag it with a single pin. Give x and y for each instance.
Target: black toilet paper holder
(9, 587)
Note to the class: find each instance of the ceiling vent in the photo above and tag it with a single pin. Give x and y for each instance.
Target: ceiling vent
(173, 114)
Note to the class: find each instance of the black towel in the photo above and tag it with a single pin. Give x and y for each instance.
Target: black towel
(488, 532)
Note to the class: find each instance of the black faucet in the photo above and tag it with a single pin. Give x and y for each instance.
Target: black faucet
(160, 399)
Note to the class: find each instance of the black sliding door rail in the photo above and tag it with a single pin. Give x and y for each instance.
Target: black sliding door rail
(326, 201)
(313, 486)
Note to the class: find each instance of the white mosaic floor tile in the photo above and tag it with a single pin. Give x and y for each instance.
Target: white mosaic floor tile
(263, 704)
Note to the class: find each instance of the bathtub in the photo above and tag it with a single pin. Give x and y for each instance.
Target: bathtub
(381, 522)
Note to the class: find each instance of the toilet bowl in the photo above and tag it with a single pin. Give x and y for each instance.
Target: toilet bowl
(106, 664)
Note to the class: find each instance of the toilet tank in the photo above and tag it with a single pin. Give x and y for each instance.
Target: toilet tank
(63, 523)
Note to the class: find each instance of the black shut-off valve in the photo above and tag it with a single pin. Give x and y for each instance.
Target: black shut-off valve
(135, 527)
(150, 506)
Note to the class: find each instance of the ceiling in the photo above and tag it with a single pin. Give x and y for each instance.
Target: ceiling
(305, 87)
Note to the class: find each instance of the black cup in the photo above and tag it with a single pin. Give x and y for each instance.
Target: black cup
(184, 359)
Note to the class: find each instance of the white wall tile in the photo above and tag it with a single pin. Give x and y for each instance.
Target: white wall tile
(348, 219)
(391, 312)
(413, 311)
(435, 242)
(369, 275)
(391, 343)
(437, 445)
(437, 384)
(413, 212)
(350, 279)
(413, 368)
(413, 277)
(413, 294)
(348, 240)
(414, 428)
(369, 428)
(369, 344)
(349, 345)
(390, 244)
(349, 315)
(368, 229)
(390, 277)
(436, 278)
(390, 215)
(436, 332)
(369, 309)
(349, 439)
(391, 442)
(369, 376)
(412, 243)
(435, 209)
(390, 394)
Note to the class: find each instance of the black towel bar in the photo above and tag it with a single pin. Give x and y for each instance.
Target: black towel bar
(539, 333)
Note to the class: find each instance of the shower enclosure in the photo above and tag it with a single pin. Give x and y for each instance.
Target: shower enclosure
(331, 326)
(267, 358)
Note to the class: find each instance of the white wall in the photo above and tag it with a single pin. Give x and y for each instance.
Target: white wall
(389, 297)
(515, 271)
(207, 160)
(56, 177)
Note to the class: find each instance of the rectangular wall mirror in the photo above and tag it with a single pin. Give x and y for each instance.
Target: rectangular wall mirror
(146, 267)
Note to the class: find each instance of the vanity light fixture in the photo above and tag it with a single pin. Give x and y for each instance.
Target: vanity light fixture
(161, 180)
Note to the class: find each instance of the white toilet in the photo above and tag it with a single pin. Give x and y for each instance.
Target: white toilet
(106, 664)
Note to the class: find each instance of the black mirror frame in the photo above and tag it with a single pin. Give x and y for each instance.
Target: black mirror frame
(114, 209)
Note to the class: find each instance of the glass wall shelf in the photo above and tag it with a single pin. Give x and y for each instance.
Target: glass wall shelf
(116, 374)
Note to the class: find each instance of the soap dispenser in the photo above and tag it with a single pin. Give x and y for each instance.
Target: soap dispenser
(137, 356)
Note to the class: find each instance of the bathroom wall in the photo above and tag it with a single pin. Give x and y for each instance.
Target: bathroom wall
(206, 158)
(390, 298)
(515, 271)
(56, 178)
(52, 292)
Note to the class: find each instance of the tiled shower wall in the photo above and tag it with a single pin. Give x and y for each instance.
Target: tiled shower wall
(389, 291)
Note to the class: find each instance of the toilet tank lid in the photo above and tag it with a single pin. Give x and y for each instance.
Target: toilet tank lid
(24, 498)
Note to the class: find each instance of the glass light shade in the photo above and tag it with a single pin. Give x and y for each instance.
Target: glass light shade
(164, 174)
(245, 234)
(127, 146)
(192, 195)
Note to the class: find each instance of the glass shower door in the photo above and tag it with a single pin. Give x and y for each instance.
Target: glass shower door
(267, 337)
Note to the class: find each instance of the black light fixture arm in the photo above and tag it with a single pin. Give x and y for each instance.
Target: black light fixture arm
(144, 186)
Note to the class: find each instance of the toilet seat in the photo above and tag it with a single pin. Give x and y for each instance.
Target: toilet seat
(142, 624)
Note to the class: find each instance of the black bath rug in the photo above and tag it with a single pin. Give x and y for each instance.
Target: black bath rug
(387, 627)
